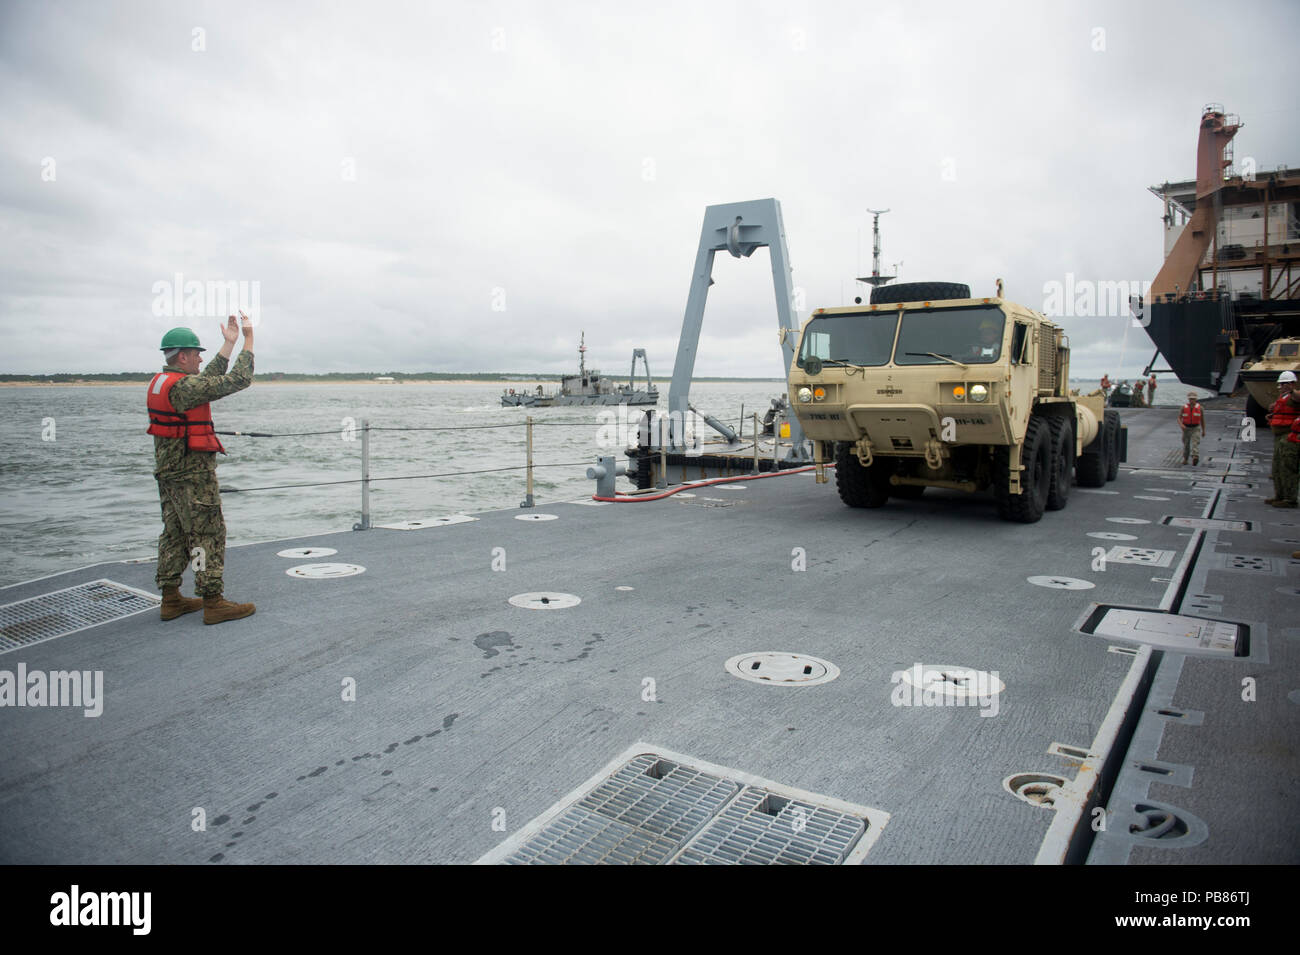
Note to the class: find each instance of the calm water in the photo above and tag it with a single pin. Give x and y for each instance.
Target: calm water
(89, 495)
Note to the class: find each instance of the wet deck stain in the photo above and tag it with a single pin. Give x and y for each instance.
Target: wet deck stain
(447, 722)
(488, 642)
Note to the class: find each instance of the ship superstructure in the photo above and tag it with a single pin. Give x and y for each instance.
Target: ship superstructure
(1230, 283)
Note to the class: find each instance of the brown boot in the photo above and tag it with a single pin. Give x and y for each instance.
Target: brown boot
(174, 605)
(218, 610)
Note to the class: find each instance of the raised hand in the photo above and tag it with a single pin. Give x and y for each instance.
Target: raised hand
(229, 331)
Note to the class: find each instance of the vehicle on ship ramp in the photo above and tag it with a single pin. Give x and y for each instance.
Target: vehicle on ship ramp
(928, 387)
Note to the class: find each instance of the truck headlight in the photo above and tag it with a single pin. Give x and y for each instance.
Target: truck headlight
(978, 393)
(805, 394)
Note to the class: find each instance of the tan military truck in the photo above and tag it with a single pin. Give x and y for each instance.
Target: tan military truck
(926, 386)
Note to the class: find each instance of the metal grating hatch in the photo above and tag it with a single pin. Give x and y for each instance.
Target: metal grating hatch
(61, 612)
(579, 837)
(656, 807)
(762, 828)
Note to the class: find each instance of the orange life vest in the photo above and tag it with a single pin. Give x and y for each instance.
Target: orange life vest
(1294, 436)
(1191, 417)
(165, 421)
(1283, 413)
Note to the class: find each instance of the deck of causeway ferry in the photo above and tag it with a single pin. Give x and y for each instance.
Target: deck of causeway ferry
(412, 713)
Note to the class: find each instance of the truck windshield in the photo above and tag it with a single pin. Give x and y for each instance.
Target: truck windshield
(971, 336)
(863, 339)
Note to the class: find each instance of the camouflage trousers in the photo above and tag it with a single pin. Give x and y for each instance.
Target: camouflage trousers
(194, 533)
(1286, 463)
(1191, 441)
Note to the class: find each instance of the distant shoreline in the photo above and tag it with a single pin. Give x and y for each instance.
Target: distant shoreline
(503, 382)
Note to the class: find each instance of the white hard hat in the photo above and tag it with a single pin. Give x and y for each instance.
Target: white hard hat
(1286, 376)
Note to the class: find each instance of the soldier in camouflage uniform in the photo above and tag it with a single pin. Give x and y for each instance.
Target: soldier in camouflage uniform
(186, 469)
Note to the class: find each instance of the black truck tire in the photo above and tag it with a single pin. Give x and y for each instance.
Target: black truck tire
(918, 292)
(1257, 411)
(1062, 434)
(1035, 481)
(1112, 453)
(859, 486)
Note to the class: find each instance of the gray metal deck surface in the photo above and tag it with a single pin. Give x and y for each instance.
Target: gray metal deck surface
(472, 716)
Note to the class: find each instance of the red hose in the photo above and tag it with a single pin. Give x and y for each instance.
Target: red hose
(686, 487)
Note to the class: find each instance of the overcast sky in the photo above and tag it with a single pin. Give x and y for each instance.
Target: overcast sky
(468, 186)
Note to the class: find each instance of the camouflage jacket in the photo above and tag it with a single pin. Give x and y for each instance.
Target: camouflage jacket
(172, 460)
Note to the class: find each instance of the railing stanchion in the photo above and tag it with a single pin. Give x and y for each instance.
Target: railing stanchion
(663, 455)
(365, 475)
(528, 495)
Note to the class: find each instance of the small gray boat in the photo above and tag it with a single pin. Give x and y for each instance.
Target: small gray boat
(587, 387)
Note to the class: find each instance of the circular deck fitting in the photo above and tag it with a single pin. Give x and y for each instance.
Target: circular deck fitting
(325, 571)
(953, 682)
(536, 517)
(1037, 789)
(307, 552)
(731, 487)
(1148, 497)
(625, 587)
(1061, 583)
(782, 669)
(1128, 520)
(543, 600)
(1158, 823)
(1112, 536)
(685, 494)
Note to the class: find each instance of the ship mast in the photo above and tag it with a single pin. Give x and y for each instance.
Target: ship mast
(875, 280)
(582, 356)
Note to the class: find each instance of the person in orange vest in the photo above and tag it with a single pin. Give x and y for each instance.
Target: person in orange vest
(1105, 385)
(1294, 440)
(1151, 391)
(1137, 393)
(185, 466)
(1286, 454)
(1192, 420)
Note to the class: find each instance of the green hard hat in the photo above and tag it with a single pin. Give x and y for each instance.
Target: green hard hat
(180, 338)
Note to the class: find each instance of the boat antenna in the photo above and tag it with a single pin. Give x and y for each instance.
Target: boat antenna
(582, 356)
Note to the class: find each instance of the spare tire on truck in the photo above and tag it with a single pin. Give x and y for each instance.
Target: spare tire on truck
(918, 292)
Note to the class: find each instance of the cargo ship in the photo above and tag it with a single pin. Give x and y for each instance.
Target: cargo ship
(1230, 282)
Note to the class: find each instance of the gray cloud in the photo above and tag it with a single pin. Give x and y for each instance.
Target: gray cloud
(564, 154)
